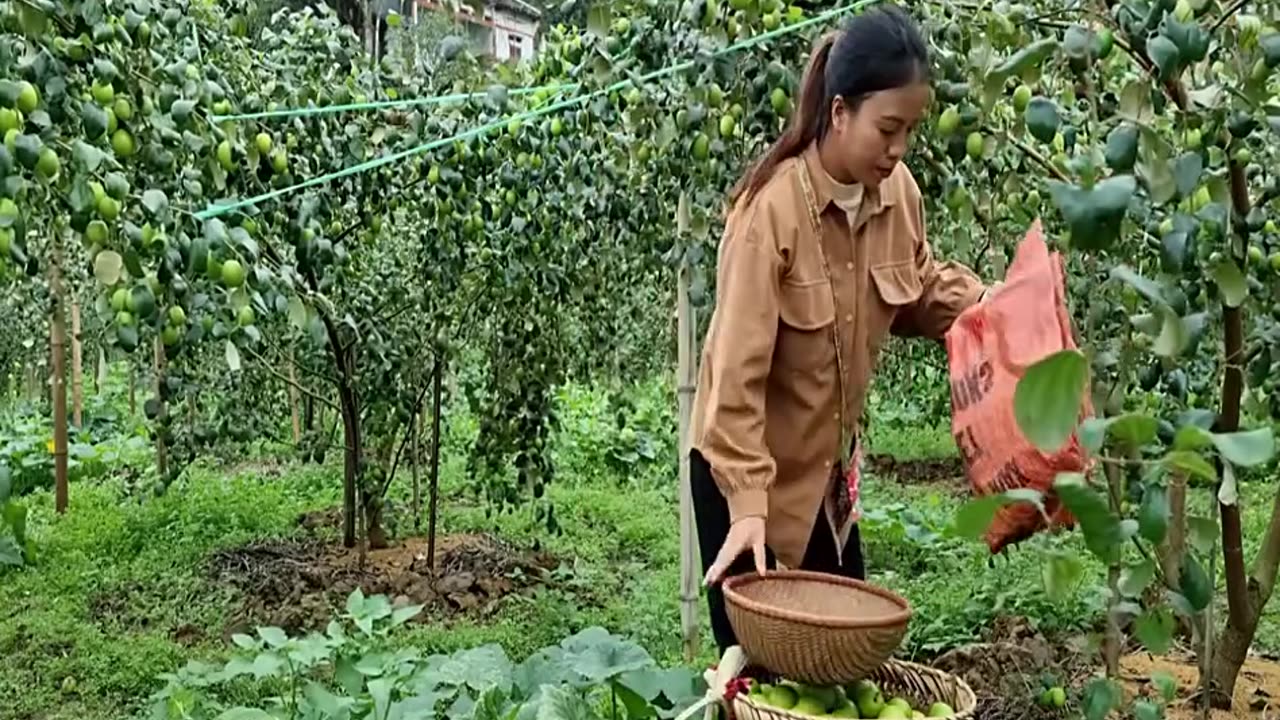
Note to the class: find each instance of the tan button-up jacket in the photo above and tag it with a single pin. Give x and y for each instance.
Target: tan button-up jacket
(768, 416)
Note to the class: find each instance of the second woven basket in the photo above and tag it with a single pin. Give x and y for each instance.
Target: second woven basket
(813, 627)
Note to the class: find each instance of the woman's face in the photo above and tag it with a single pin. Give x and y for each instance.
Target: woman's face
(867, 143)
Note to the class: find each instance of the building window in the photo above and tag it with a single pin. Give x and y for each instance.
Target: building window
(515, 48)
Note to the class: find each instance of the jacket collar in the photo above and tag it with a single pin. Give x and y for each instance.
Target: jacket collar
(874, 200)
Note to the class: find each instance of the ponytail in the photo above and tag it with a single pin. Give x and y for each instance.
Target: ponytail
(807, 124)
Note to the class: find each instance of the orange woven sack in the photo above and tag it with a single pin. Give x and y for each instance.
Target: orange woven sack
(989, 347)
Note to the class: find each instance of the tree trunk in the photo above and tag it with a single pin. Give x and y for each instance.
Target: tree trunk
(308, 413)
(293, 401)
(133, 390)
(58, 382)
(1242, 611)
(77, 367)
(350, 462)
(1113, 641)
(100, 378)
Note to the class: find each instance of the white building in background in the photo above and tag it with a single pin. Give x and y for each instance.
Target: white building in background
(507, 29)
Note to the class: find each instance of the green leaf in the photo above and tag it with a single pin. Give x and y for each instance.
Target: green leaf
(1231, 282)
(1194, 583)
(1164, 682)
(1154, 513)
(1228, 492)
(244, 641)
(329, 704)
(87, 156)
(94, 119)
(1101, 697)
(1101, 528)
(1061, 573)
(6, 483)
(1165, 55)
(107, 266)
(155, 201)
(1131, 430)
(1248, 448)
(1135, 101)
(1175, 251)
(599, 19)
(1028, 57)
(1190, 463)
(181, 110)
(273, 636)
(974, 517)
(403, 614)
(245, 713)
(297, 313)
(562, 703)
(1093, 433)
(1154, 629)
(1135, 578)
(1047, 400)
(380, 693)
(1147, 288)
(10, 553)
(1192, 438)
(1094, 216)
(1202, 534)
(232, 354)
(1186, 172)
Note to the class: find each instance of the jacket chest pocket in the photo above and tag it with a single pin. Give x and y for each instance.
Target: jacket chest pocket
(894, 288)
(807, 315)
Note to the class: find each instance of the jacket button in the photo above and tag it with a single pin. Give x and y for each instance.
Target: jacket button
(849, 266)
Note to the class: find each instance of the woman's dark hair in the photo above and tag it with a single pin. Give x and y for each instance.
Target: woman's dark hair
(881, 49)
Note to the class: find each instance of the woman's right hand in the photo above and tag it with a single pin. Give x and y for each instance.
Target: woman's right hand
(746, 534)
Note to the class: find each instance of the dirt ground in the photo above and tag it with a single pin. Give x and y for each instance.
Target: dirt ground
(297, 584)
(1257, 690)
(1007, 672)
(947, 471)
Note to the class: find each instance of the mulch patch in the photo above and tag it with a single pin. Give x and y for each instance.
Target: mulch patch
(300, 584)
(922, 471)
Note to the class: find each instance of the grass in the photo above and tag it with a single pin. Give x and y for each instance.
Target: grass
(88, 630)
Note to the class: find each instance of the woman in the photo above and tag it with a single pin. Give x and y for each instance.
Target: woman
(823, 255)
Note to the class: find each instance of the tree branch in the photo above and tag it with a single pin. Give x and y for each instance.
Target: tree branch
(267, 366)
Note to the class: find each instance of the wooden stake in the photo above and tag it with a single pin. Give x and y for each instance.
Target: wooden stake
(686, 383)
(77, 367)
(414, 427)
(58, 380)
(293, 401)
(436, 392)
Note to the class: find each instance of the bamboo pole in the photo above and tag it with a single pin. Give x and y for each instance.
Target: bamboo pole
(77, 367)
(434, 487)
(293, 401)
(414, 427)
(686, 380)
(58, 380)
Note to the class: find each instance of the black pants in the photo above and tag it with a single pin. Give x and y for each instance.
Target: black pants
(711, 512)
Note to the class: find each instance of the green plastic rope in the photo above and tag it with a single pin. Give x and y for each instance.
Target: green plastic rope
(214, 210)
(386, 104)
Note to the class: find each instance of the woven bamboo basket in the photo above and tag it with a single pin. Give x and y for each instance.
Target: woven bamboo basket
(921, 686)
(813, 627)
